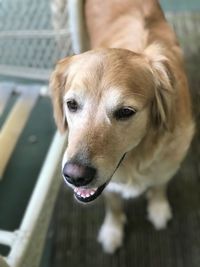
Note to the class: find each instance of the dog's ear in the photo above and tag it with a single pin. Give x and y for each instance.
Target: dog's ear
(162, 106)
(57, 86)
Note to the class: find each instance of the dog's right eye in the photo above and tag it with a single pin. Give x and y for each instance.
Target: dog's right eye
(72, 105)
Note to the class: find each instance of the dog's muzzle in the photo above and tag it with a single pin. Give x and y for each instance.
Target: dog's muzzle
(81, 176)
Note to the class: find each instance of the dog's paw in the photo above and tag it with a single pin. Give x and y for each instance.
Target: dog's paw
(159, 213)
(111, 236)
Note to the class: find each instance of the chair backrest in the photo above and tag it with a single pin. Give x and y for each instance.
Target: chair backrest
(33, 36)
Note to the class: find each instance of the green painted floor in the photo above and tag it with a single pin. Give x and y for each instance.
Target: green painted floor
(24, 166)
(180, 5)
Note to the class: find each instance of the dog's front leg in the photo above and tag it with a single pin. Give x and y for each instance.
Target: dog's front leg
(112, 231)
(158, 207)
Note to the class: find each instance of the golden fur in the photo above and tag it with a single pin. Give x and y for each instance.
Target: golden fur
(135, 61)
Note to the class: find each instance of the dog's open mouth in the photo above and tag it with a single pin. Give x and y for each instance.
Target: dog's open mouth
(87, 195)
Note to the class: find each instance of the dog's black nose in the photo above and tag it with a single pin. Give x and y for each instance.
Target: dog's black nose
(78, 175)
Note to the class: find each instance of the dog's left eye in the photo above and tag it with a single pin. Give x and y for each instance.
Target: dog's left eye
(124, 113)
(72, 105)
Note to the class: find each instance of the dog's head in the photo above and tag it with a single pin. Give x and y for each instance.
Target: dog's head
(107, 99)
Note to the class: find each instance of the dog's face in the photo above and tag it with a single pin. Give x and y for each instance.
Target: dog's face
(106, 100)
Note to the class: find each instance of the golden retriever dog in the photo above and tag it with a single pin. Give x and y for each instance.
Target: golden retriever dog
(127, 109)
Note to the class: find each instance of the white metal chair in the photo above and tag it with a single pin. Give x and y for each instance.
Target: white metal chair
(23, 61)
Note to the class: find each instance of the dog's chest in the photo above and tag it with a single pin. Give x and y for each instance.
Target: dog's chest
(126, 190)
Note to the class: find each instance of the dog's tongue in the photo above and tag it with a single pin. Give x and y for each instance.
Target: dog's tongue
(83, 192)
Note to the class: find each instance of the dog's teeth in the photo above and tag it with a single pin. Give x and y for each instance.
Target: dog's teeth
(85, 193)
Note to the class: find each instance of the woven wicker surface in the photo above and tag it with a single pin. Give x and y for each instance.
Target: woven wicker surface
(38, 40)
(75, 227)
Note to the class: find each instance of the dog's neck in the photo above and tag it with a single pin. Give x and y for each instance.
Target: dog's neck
(144, 154)
(130, 24)
(134, 36)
